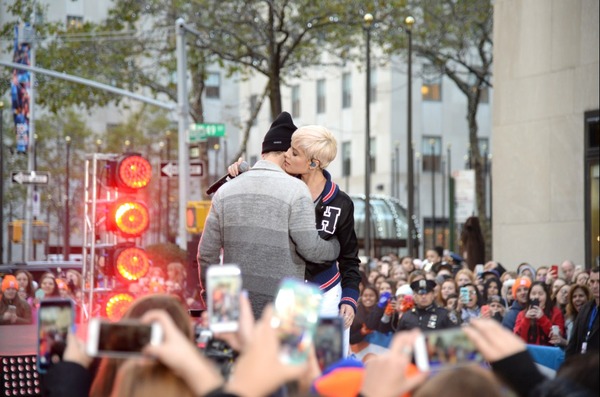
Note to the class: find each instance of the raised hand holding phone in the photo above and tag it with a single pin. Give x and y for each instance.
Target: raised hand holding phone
(55, 319)
(223, 288)
(124, 339)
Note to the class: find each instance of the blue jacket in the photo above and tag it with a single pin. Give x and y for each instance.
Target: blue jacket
(510, 318)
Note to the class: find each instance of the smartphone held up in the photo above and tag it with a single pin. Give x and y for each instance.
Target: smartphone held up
(55, 318)
(223, 288)
(436, 350)
(121, 339)
(296, 315)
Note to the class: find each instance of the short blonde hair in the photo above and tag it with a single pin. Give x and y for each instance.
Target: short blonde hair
(317, 143)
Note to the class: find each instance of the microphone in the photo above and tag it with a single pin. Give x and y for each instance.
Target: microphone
(242, 167)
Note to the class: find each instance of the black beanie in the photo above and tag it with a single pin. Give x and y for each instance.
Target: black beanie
(279, 136)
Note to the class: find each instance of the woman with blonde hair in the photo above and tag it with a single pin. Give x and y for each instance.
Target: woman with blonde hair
(465, 276)
(312, 150)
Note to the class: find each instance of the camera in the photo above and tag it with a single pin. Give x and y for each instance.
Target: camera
(534, 302)
(216, 350)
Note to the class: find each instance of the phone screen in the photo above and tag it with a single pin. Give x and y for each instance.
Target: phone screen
(123, 337)
(55, 317)
(437, 349)
(296, 314)
(224, 284)
(329, 341)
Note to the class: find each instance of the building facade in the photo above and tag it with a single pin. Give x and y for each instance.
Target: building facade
(545, 132)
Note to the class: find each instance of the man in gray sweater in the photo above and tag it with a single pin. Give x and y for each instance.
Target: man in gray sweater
(264, 221)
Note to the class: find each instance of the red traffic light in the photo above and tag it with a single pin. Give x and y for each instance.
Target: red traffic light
(131, 263)
(129, 218)
(131, 172)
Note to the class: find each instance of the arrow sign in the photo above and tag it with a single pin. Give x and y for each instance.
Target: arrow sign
(30, 177)
(171, 168)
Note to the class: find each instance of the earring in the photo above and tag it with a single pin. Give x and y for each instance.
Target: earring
(313, 164)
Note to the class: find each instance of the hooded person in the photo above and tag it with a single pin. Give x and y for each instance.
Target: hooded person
(13, 310)
(264, 221)
(520, 288)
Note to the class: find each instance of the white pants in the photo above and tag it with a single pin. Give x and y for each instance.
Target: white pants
(330, 308)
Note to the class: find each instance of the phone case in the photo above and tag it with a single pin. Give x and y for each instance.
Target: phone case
(296, 315)
(224, 284)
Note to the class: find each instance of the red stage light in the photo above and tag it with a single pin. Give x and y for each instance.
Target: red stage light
(117, 305)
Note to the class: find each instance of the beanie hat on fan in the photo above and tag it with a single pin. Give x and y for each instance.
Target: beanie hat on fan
(279, 136)
(9, 281)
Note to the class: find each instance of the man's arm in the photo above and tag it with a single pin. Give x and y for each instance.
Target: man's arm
(303, 232)
(211, 241)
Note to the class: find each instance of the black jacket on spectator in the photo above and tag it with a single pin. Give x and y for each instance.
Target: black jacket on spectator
(580, 330)
(432, 317)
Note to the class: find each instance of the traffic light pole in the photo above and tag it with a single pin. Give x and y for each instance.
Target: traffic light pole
(183, 113)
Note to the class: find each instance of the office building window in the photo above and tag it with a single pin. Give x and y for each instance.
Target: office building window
(591, 128)
(212, 85)
(346, 158)
(74, 22)
(320, 96)
(431, 147)
(346, 90)
(431, 90)
(296, 101)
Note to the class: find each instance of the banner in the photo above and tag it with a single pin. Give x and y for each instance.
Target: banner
(20, 89)
(464, 194)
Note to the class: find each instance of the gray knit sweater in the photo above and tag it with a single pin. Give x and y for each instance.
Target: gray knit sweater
(264, 220)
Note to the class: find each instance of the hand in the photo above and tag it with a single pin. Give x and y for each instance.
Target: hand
(383, 300)
(550, 276)
(385, 374)
(347, 313)
(249, 377)
(493, 341)
(531, 312)
(390, 308)
(490, 266)
(233, 169)
(75, 351)
(557, 340)
(179, 354)
(240, 339)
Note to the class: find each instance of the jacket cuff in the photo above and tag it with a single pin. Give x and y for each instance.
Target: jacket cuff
(349, 297)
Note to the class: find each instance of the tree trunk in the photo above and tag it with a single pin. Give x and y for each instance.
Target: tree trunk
(477, 162)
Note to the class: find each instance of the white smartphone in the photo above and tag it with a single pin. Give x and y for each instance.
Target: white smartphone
(124, 339)
(435, 350)
(55, 318)
(223, 287)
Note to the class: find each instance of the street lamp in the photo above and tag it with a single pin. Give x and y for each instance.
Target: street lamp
(409, 21)
(2, 181)
(433, 166)
(67, 215)
(368, 19)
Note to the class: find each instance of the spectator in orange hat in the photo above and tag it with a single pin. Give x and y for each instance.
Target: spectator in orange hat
(13, 310)
(520, 290)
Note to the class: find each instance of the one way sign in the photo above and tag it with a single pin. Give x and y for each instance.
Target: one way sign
(30, 177)
(170, 169)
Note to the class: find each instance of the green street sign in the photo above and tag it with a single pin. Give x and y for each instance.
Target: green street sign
(200, 131)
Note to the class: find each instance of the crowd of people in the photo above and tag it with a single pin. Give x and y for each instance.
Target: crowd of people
(21, 293)
(273, 226)
(539, 305)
